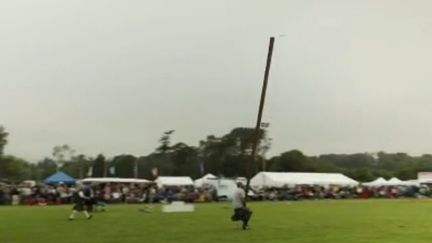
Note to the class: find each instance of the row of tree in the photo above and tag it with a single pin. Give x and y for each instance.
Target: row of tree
(228, 156)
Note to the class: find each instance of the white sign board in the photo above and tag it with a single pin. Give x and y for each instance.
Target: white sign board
(178, 207)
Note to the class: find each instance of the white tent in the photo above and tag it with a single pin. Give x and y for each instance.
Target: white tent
(174, 181)
(377, 182)
(395, 182)
(392, 182)
(411, 183)
(113, 180)
(224, 187)
(204, 180)
(280, 179)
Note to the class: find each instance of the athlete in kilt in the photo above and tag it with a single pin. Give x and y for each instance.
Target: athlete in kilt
(79, 199)
(89, 199)
(241, 212)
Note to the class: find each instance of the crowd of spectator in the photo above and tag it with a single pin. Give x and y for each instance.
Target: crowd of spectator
(150, 193)
(107, 192)
(335, 192)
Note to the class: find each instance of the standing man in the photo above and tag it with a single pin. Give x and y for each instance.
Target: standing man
(79, 199)
(241, 212)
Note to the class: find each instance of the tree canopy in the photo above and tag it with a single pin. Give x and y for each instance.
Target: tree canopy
(226, 155)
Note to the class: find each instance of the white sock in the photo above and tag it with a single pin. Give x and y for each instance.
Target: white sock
(72, 216)
(86, 213)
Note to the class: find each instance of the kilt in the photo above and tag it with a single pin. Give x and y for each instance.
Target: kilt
(79, 206)
(243, 214)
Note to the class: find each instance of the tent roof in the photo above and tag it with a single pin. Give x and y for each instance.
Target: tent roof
(174, 181)
(203, 180)
(280, 179)
(411, 183)
(392, 182)
(209, 176)
(395, 180)
(377, 182)
(59, 177)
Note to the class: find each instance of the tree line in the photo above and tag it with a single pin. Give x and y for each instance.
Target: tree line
(225, 155)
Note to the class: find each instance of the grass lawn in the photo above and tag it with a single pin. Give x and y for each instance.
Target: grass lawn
(308, 221)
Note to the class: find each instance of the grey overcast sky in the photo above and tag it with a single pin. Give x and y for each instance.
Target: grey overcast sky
(110, 76)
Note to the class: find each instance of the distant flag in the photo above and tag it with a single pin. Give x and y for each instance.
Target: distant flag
(155, 172)
(112, 170)
(136, 170)
(202, 168)
(90, 171)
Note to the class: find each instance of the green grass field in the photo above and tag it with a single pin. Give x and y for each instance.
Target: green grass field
(308, 221)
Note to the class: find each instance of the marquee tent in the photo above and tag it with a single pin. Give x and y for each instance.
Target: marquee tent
(395, 182)
(280, 179)
(411, 183)
(377, 182)
(204, 180)
(174, 181)
(392, 182)
(59, 177)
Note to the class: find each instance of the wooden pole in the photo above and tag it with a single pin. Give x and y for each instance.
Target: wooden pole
(260, 112)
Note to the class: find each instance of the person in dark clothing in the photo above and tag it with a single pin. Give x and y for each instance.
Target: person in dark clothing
(89, 200)
(79, 200)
